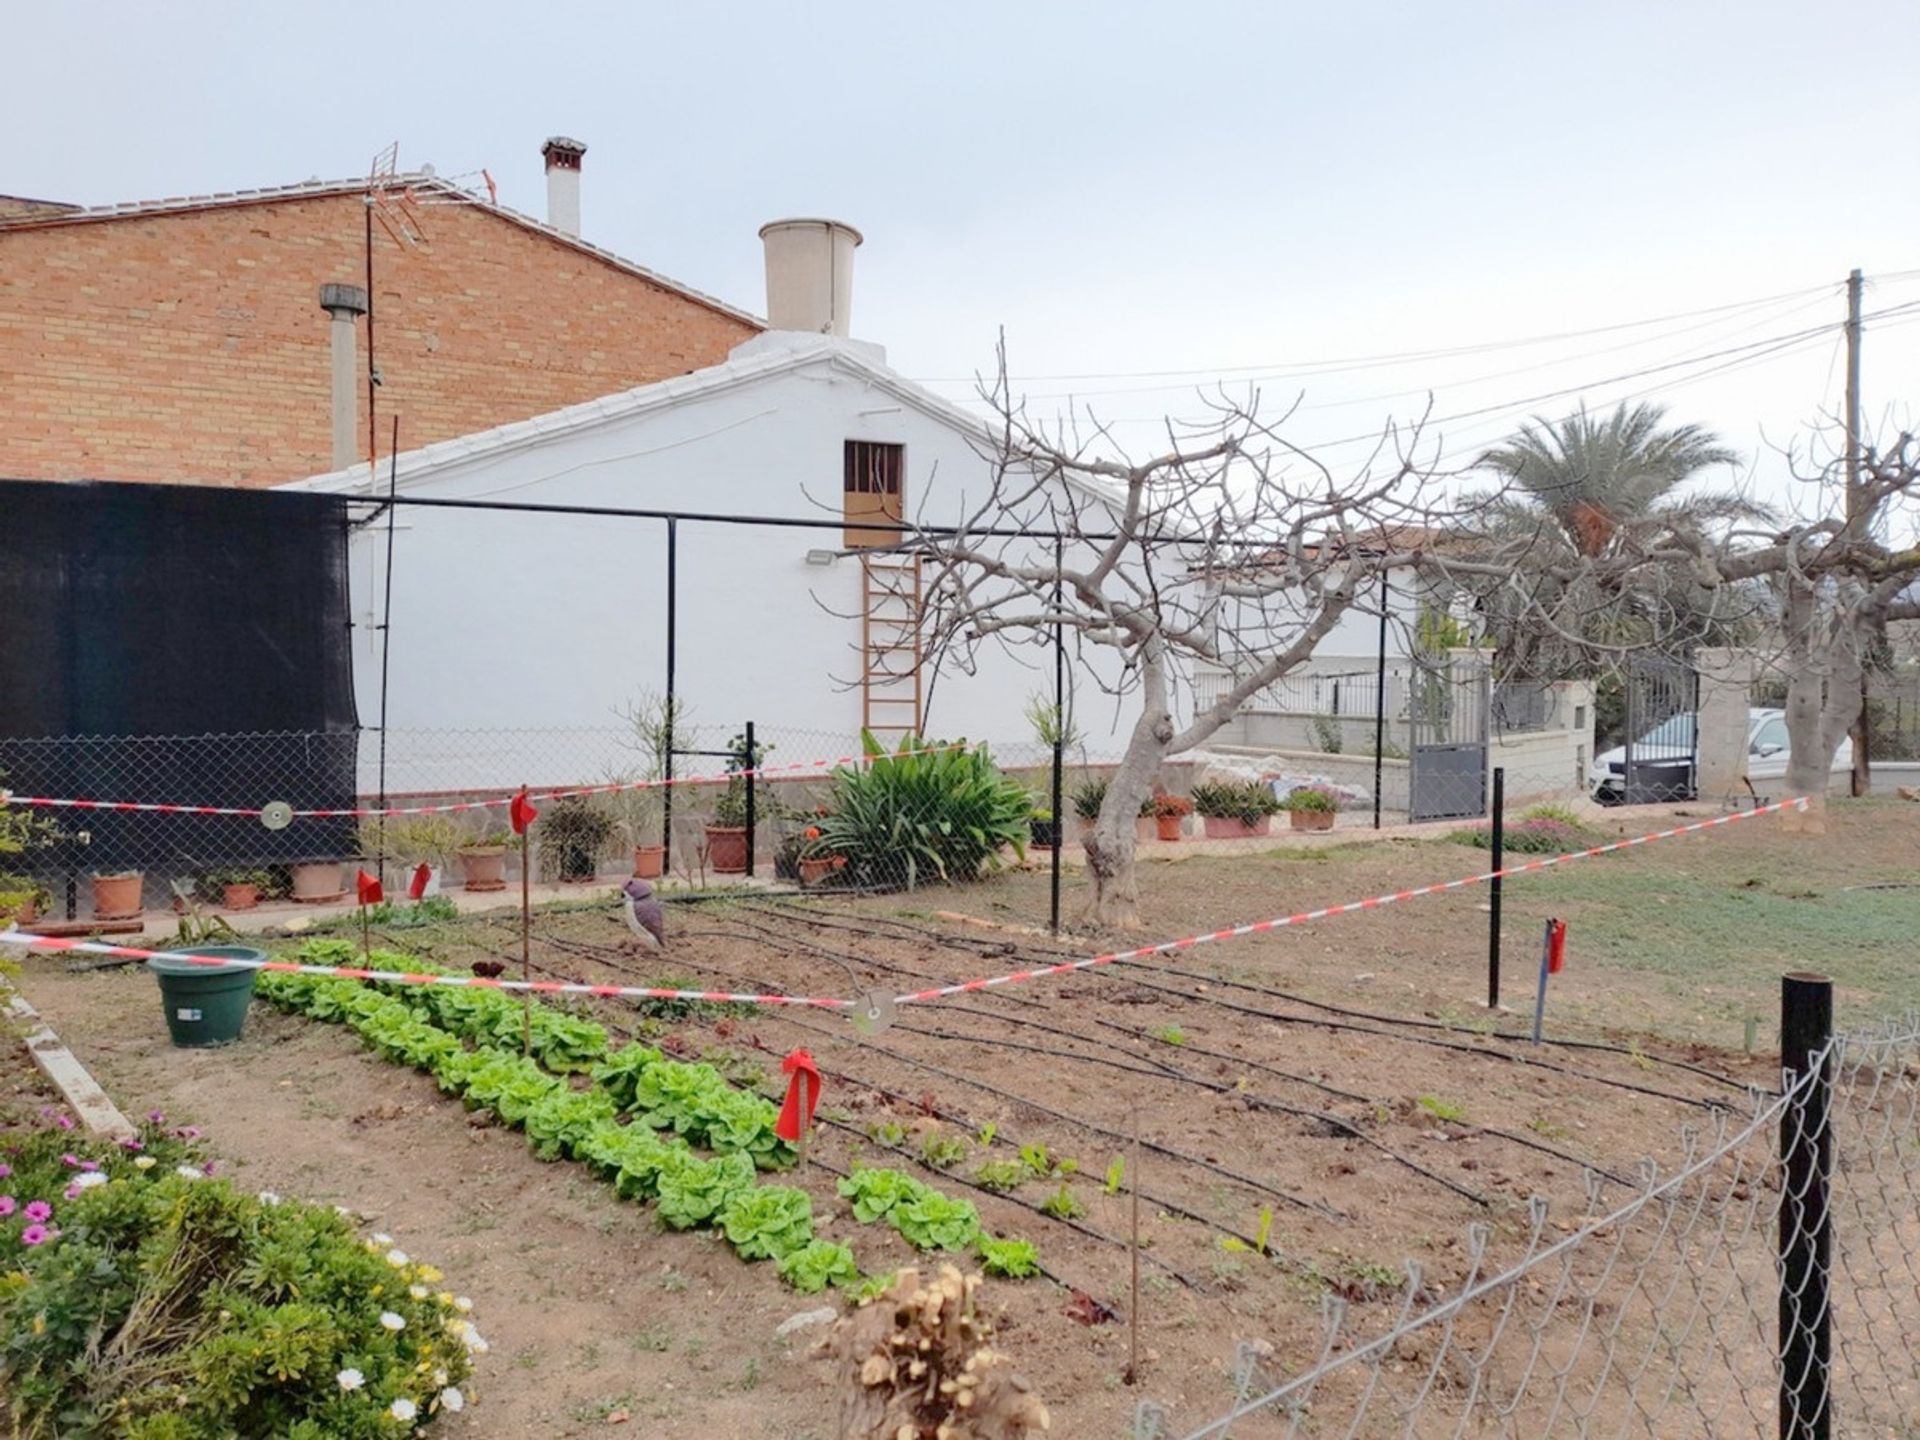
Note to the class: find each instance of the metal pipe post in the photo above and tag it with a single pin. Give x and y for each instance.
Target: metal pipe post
(1380, 706)
(1499, 839)
(753, 764)
(1059, 734)
(673, 716)
(1806, 1162)
(1540, 995)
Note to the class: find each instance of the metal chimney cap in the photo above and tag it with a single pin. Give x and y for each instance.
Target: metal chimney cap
(339, 300)
(561, 152)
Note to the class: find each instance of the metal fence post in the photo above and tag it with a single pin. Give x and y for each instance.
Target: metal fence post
(1806, 1157)
(1380, 711)
(1059, 741)
(753, 764)
(673, 713)
(1499, 847)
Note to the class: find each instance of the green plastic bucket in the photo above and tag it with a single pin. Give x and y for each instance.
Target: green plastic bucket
(206, 1004)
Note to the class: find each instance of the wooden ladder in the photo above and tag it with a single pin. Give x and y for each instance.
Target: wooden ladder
(890, 694)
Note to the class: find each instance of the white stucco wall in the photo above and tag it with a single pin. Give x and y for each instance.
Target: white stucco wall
(505, 620)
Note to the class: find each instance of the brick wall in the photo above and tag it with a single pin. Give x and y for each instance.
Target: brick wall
(191, 348)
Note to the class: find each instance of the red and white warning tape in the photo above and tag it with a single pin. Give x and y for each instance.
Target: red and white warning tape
(1259, 927)
(915, 997)
(492, 803)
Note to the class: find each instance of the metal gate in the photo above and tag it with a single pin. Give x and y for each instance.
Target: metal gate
(1447, 707)
(1660, 761)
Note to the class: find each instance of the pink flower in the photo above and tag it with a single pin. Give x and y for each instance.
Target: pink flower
(7, 1206)
(65, 1122)
(207, 1169)
(188, 1132)
(70, 1161)
(35, 1235)
(72, 1192)
(5, 1171)
(89, 1164)
(133, 1142)
(154, 1117)
(39, 1210)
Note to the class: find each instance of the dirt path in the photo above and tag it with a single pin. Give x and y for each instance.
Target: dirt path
(589, 1310)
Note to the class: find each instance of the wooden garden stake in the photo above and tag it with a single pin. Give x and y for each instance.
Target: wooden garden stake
(366, 936)
(806, 1119)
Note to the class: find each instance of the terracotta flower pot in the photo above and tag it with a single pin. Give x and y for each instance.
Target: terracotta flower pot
(1228, 827)
(649, 861)
(1311, 819)
(239, 897)
(816, 869)
(483, 867)
(727, 849)
(317, 882)
(117, 897)
(1170, 827)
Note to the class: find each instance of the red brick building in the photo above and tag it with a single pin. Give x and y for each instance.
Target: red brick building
(183, 341)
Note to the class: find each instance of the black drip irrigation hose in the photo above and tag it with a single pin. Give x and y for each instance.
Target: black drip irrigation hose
(1013, 950)
(1200, 1162)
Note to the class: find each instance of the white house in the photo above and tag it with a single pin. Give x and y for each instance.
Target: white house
(505, 621)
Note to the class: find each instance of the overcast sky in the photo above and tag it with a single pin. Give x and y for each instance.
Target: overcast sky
(1129, 189)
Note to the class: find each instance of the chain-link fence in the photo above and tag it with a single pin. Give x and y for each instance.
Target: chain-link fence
(1768, 1284)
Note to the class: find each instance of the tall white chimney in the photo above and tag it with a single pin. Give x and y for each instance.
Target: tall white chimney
(563, 182)
(345, 303)
(809, 275)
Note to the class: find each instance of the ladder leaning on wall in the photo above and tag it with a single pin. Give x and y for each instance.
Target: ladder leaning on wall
(890, 654)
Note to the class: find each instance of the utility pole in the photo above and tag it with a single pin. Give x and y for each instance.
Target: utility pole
(1857, 519)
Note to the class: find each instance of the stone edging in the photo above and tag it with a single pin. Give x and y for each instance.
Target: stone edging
(96, 1111)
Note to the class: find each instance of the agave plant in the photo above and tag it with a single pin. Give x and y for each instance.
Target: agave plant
(925, 811)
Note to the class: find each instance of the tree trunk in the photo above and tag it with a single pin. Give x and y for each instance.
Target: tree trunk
(1823, 695)
(1115, 902)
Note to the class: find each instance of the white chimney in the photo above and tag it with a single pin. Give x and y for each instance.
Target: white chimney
(345, 303)
(563, 182)
(809, 275)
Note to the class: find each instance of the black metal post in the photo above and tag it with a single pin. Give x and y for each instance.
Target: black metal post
(1380, 706)
(1059, 733)
(386, 635)
(1493, 892)
(753, 764)
(1806, 1160)
(673, 715)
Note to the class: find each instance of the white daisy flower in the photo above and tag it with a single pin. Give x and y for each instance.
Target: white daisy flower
(144, 1162)
(419, 1292)
(392, 1321)
(189, 1172)
(463, 1304)
(403, 1409)
(350, 1380)
(87, 1179)
(474, 1343)
(396, 1258)
(452, 1399)
(440, 1377)
(267, 1197)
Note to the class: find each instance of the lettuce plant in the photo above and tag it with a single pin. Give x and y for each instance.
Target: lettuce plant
(819, 1263)
(768, 1221)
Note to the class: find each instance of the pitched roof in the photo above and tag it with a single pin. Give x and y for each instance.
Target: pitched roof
(420, 182)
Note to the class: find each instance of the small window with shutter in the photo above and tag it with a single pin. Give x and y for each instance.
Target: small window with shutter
(873, 492)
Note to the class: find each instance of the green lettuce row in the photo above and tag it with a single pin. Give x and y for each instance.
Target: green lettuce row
(688, 1190)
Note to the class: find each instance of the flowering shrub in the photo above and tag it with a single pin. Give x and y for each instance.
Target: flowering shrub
(145, 1298)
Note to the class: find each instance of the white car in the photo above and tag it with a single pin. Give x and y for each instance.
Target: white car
(1670, 743)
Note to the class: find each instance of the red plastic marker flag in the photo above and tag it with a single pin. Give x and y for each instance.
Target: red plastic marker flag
(798, 1065)
(521, 812)
(422, 878)
(1557, 948)
(369, 888)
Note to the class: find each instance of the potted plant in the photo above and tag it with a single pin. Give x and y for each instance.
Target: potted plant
(483, 860)
(116, 896)
(1042, 829)
(22, 898)
(1170, 815)
(316, 882)
(236, 889)
(1312, 807)
(1234, 811)
(727, 831)
(815, 864)
(573, 836)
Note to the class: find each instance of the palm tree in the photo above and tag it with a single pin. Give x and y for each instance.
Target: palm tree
(1582, 487)
(1589, 477)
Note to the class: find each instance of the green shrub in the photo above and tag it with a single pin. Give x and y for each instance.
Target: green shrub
(1245, 801)
(1312, 800)
(923, 813)
(158, 1303)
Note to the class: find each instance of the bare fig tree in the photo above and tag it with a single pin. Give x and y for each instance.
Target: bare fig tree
(1230, 552)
